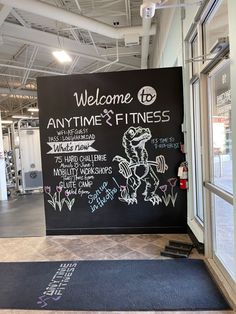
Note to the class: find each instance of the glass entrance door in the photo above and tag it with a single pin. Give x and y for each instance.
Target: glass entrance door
(220, 183)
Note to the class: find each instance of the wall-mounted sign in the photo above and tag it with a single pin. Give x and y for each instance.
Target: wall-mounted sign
(111, 146)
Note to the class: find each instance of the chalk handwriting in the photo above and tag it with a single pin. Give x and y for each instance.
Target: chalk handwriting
(149, 117)
(71, 147)
(74, 122)
(96, 170)
(98, 99)
(101, 196)
(165, 143)
(73, 132)
(144, 117)
(76, 175)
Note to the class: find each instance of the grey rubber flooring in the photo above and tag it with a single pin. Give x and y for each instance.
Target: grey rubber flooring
(22, 216)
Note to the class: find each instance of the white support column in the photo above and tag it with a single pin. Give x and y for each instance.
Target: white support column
(3, 184)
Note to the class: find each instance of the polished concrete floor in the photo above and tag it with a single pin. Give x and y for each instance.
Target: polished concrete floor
(22, 216)
(22, 239)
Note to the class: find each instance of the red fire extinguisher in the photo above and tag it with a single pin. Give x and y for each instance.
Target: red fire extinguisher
(183, 175)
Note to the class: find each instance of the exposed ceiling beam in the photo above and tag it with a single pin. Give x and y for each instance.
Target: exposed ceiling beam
(18, 67)
(19, 52)
(4, 12)
(70, 18)
(90, 35)
(74, 34)
(96, 13)
(20, 92)
(16, 55)
(93, 42)
(19, 18)
(73, 65)
(30, 64)
(128, 11)
(109, 4)
(78, 5)
(16, 76)
(88, 67)
(50, 41)
(19, 108)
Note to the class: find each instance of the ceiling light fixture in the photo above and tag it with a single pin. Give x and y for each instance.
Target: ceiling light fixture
(7, 121)
(62, 56)
(33, 109)
(20, 117)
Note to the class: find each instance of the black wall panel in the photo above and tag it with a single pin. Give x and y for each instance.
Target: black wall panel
(111, 146)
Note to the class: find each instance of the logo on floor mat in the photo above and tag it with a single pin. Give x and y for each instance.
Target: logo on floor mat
(57, 285)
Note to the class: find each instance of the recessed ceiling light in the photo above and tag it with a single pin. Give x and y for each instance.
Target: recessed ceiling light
(62, 56)
(33, 109)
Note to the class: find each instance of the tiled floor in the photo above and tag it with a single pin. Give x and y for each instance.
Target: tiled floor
(82, 247)
(87, 247)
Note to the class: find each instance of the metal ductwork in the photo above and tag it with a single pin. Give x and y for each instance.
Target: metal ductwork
(70, 18)
(145, 42)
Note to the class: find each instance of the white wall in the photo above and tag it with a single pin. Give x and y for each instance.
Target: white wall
(167, 46)
(173, 43)
(163, 29)
(190, 13)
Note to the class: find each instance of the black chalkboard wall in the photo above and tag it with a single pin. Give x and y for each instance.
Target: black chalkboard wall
(110, 151)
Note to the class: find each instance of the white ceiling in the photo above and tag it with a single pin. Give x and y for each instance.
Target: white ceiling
(27, 40)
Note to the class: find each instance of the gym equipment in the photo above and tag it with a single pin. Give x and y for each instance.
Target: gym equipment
(10, 169)
(27, 155)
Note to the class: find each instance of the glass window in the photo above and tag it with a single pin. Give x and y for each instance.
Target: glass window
(221, 129)
(197, 151)
(224, 233)
(216, 25)
(194, 55)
